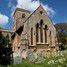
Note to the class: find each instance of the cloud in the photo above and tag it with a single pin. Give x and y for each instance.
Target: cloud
(3, 19)
(49, 10)
(25, 4)
(12, 10)
(9, 5)
(31, 6)
(34, 5)
(12, 7)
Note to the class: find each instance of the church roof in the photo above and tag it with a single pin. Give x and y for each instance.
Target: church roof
(19, 9)
(31, 14)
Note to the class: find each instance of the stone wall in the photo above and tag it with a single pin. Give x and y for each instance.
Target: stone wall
(18, 18)
(31, 22)
(34, 19)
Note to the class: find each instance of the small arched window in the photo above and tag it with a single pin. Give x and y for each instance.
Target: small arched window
(50, 38)
(41, 30)
(37, 27)
(45, 33)
(41, 12)
(23, 15)
(31, 36)
(45, 26)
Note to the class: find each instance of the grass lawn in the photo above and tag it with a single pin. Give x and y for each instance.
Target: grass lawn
(60, 60)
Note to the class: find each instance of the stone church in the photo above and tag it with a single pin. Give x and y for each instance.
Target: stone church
(33, 31)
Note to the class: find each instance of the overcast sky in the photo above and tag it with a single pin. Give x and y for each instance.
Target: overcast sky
(56, 9)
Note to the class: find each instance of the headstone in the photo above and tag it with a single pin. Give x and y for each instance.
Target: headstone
(31, 56)
(17, 60)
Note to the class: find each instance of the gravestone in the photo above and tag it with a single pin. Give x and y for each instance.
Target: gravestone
(31, 56)
(17, 60)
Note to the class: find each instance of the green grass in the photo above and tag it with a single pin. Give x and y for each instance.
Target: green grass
(59, 61)
(45, 64)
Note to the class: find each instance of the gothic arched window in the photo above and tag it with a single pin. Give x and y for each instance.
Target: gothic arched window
(41, 30)
(37, 27)
(45, 33)
(31, 36)
(50, 38)
(41, 12)
(23, 15)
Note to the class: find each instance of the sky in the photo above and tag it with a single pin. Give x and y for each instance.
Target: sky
(56, 10)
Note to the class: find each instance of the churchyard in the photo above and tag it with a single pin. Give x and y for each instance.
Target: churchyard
(55, 59)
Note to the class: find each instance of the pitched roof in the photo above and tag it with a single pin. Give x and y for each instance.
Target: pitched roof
(33, 13)
(19, 9)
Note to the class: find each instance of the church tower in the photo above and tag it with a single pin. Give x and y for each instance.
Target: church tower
(19, 16)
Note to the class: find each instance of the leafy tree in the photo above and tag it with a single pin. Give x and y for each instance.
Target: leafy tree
(62, 34)
(4, 41)
(5, 52)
